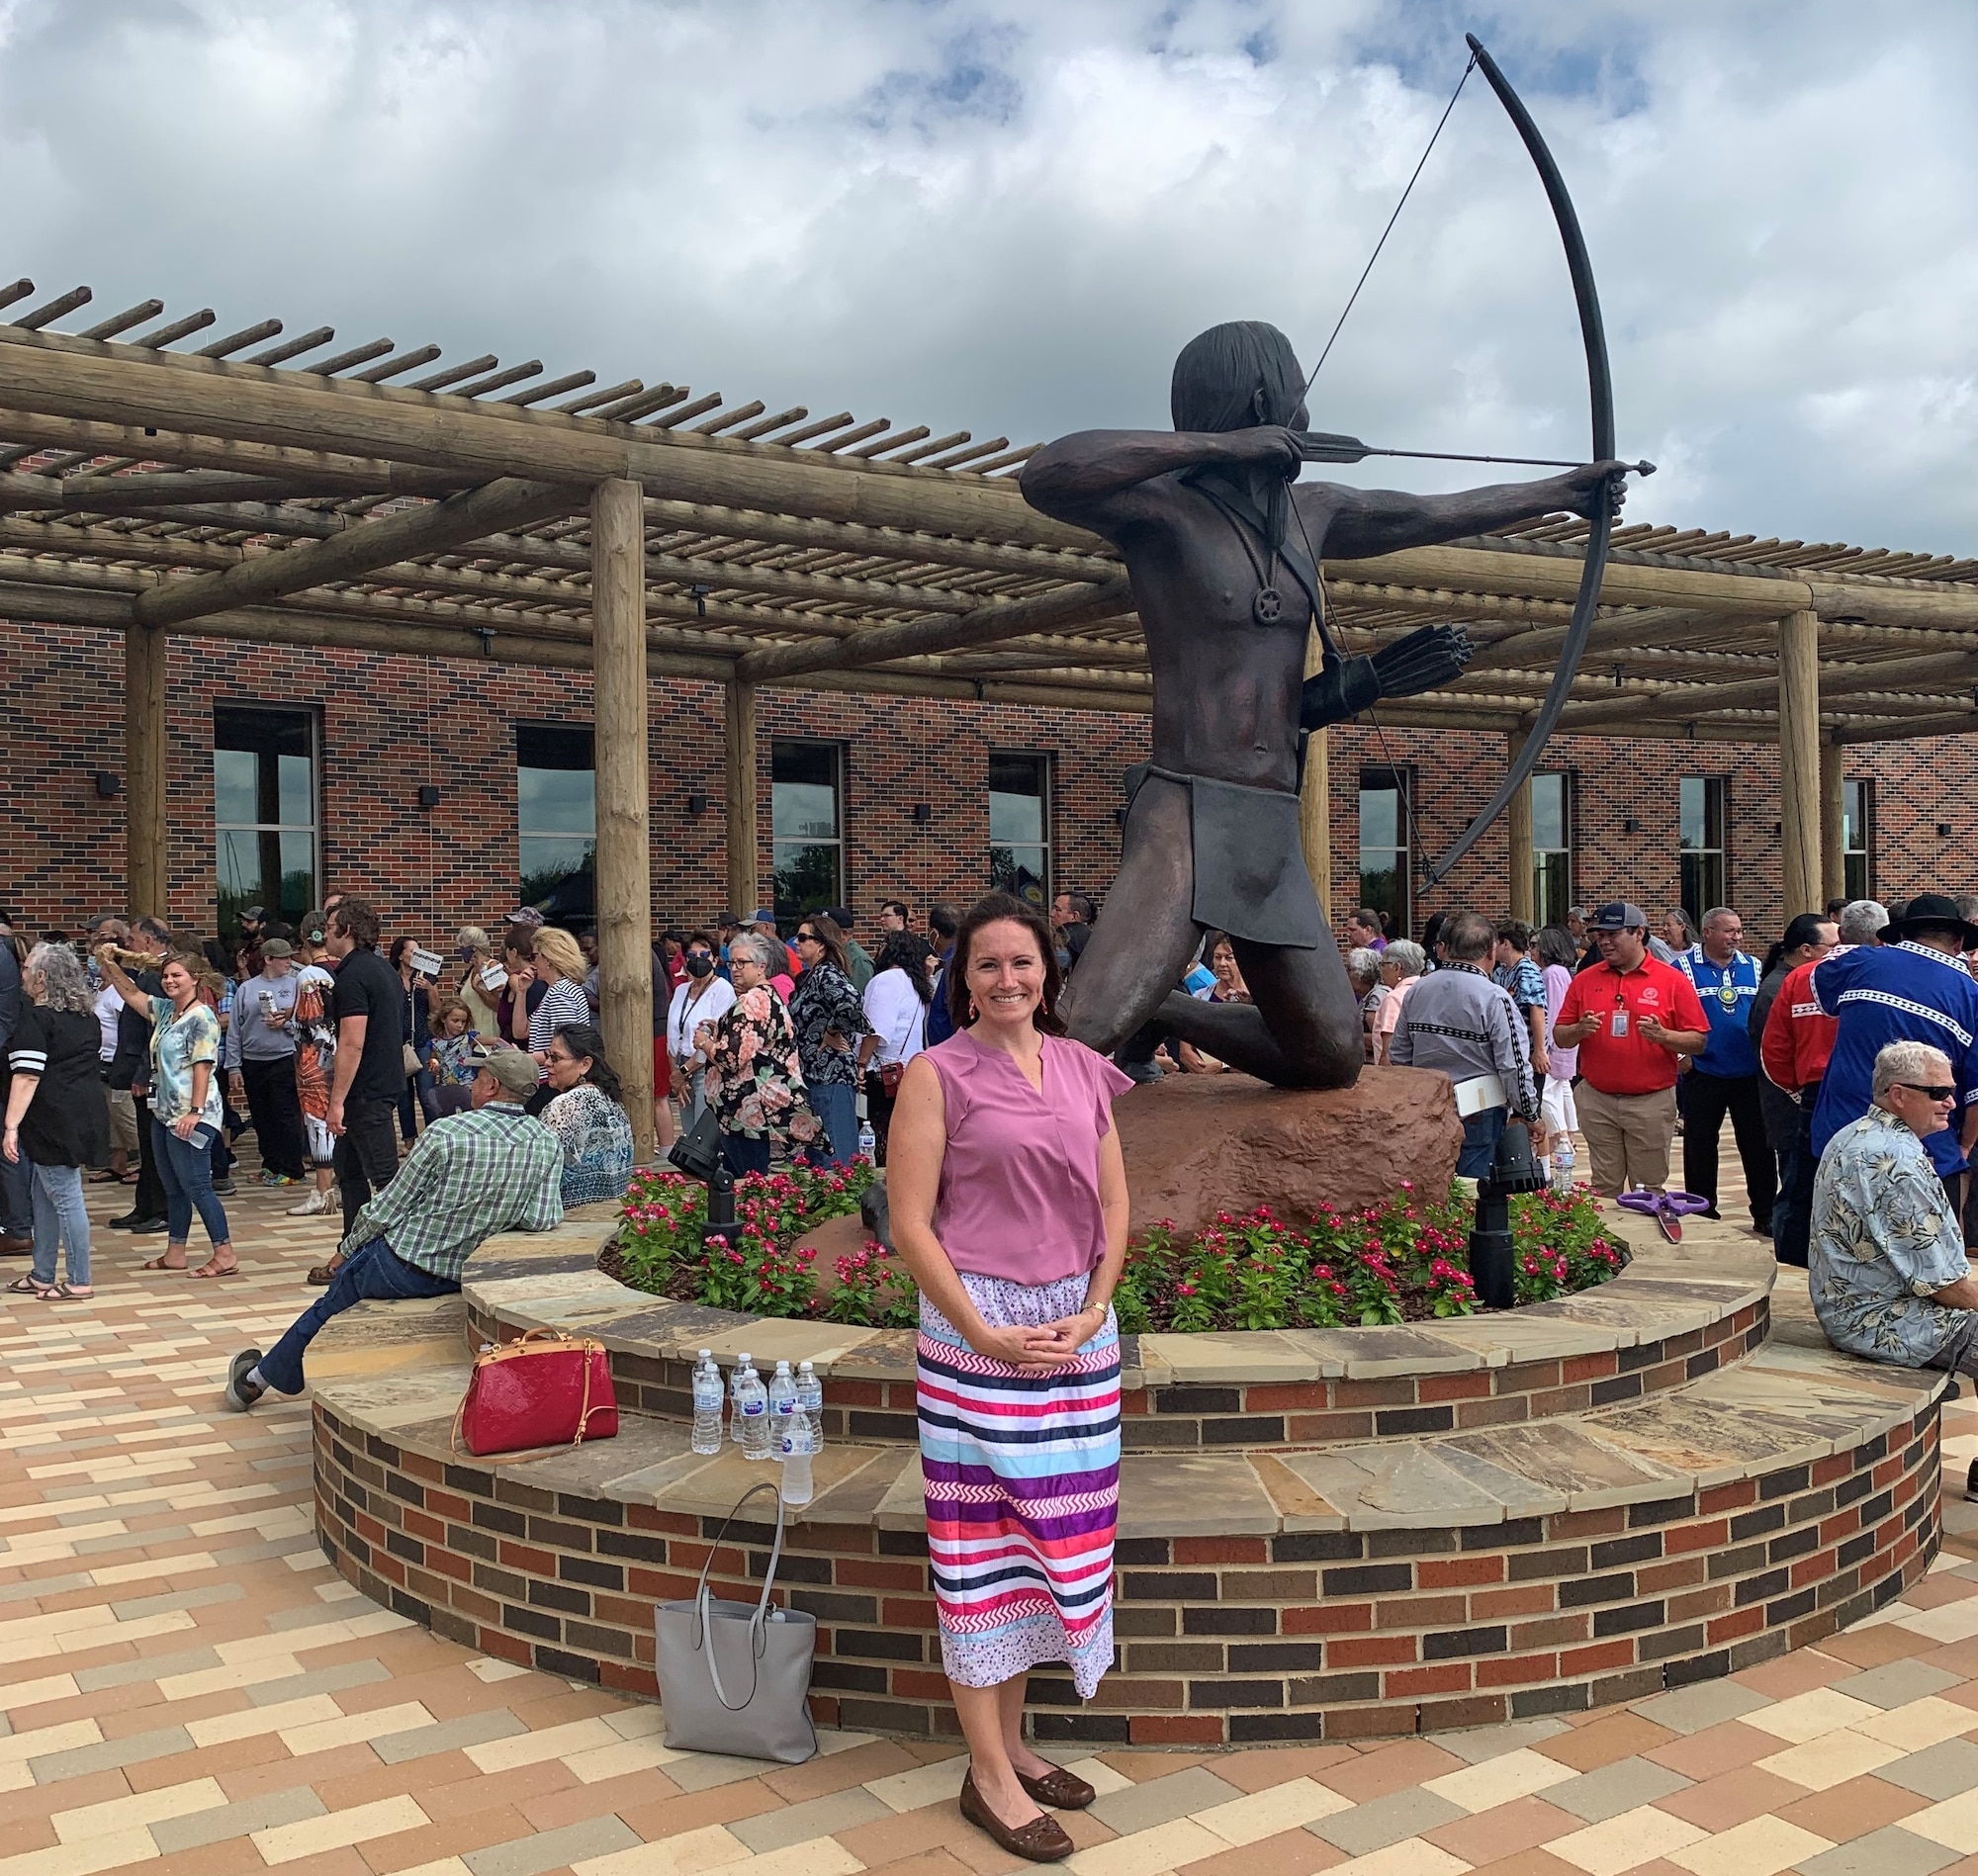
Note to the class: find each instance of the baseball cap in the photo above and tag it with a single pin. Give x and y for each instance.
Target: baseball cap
(255, 912)
(516, 1072)
(840, 915)
(762, 915)
(726, 917)
(1620, 915)
(277, 948)
(525, 915)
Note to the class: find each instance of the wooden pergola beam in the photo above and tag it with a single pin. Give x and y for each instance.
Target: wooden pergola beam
(119, 495)
(359, 551)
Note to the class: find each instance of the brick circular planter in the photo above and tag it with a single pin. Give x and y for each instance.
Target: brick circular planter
(1323, 1534)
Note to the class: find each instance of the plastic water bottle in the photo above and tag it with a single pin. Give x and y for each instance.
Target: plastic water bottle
(707, 1396)
(753, 1398)
(782, 1403)
(810, 1397)
(741, 1369)
(796, 1449)
(1562, 1165)
(868, 1143)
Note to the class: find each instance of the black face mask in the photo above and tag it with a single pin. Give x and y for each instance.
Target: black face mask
(699, 964)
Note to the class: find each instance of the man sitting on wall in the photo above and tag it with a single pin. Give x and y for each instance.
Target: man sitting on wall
(491, 1169)
(1889, 1276)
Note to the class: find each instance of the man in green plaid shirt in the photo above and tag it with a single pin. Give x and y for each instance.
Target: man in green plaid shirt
(491, 1169)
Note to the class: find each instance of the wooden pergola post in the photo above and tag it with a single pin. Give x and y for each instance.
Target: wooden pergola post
(147, 858)
(1800, 822)
(1832, 818)
(744, 884)
(1518, 820)
(1315, 798)
(624, 847)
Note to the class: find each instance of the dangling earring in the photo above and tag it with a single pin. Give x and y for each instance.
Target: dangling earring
(971, 1009)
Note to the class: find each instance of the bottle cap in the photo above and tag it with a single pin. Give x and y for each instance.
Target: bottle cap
(803, 1367)
(741, 1360)
(782, 1367)
(706, 1355)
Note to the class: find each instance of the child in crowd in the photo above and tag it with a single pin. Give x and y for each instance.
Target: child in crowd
(450, 1056)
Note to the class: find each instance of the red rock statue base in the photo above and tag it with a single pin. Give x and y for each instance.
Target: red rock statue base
(1200, 1144)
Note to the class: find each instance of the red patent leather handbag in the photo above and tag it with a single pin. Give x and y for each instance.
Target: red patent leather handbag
(545, 1389)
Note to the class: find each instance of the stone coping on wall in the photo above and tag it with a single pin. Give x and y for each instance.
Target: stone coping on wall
(523, 1281)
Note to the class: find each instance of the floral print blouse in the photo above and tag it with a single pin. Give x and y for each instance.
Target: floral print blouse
(597, 1141)
(755, 1079)
(1884, 1241)
(824, 1001)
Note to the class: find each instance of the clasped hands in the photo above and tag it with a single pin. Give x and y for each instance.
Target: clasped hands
(1049, 1345)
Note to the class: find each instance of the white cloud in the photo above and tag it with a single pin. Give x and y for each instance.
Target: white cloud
(1009, 214)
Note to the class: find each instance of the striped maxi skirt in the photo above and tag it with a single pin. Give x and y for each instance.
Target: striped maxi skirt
(1021, 1476)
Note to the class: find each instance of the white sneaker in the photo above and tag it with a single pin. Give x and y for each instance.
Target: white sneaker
(314, 1207)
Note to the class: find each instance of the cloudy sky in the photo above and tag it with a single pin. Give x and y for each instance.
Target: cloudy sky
(1007, 214)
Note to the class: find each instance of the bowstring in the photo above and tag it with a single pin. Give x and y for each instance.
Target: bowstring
(1392, 219)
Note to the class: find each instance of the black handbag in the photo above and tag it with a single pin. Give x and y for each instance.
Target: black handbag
(697, 1152)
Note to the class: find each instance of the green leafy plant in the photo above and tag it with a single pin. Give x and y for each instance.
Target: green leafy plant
(1404, 1260)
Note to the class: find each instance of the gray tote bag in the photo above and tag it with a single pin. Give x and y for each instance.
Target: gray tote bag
(733, 1675)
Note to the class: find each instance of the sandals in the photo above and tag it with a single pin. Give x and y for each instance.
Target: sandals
(322, 1274)
(1041, 1840)
(159, 1263)
(208, 1272)
(50, 1292)
(23, 1286)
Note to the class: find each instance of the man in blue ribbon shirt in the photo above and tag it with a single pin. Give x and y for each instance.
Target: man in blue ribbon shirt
(1910, 988)
(1725, 1077)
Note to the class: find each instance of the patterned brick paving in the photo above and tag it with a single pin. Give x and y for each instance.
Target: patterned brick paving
(185, 1683)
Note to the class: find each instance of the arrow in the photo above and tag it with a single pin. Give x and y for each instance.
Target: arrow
(1320, 446)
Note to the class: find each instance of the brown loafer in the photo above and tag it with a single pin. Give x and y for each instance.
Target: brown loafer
(1058, 1788)
(1041, 1840)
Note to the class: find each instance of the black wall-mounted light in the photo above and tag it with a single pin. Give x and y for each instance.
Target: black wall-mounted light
(696, 804)
(106, 785)
(923, 814)
(1631, 827)
(699, 593)
(429, 796)
(1944, 830)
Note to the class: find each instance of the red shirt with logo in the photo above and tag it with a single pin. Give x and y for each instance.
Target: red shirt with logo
(1628, 1063)
(1799, 1033)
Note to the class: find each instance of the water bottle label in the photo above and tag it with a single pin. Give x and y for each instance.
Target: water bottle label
(753, 1407)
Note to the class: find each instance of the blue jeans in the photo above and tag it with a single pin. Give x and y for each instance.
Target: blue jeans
(17, 1203)
(376, 1273)
(186, 1169)
(744, 1154)
(836, 1104)
(1480, 1133)
(59, 1217)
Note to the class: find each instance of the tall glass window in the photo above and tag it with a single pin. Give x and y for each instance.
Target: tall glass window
(1858, 837)
(264, 813)
(1383, 844)
(1019, 828)
(1552, 847)
(807, 820)
(1700, 843)
(556, 820)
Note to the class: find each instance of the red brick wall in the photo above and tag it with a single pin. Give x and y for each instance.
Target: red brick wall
(391, 724)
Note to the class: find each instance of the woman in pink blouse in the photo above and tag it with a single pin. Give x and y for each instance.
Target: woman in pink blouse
(1008, 1199)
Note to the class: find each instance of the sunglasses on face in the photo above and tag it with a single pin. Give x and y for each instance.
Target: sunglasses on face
(808, 938)
(1933, 1092)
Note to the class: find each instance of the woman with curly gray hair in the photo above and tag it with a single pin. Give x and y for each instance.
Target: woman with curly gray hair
(57, 1119)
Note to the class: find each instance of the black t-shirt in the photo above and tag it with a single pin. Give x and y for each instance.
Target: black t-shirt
(67, 1123)
(367, 986)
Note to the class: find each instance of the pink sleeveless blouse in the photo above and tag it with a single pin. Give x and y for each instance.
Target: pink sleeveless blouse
(1019, 1194)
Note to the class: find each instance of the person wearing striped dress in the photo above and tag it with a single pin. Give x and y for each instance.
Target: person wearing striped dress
(1008, 1199)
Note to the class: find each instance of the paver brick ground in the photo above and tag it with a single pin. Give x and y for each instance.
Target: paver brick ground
(185, 1683)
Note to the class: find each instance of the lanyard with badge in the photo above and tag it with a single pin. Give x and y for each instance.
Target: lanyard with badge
(1617, 1025)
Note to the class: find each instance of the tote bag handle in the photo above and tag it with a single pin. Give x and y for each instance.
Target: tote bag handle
(701, 1615)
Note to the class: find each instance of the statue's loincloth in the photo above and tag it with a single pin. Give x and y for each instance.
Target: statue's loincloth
(1250, 877)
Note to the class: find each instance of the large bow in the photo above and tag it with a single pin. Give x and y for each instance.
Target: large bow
(1600, 389)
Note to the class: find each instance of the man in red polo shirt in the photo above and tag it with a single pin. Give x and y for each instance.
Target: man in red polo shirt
(1630, 1017)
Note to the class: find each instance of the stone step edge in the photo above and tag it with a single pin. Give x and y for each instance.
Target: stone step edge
(1230, 1494)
